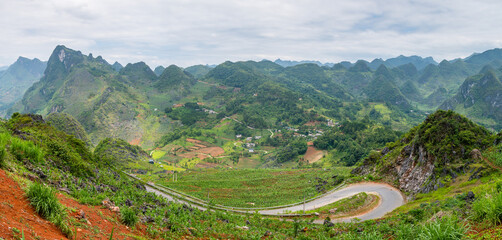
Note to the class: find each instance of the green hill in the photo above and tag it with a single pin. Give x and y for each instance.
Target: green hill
(430, 154)
(174, 77)
(158, 70)
(106, 103)
(138, 74)
(410, 90)
(436, 98)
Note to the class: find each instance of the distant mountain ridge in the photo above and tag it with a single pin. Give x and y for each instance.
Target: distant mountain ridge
(479, 97)
(17, 78)
(133, 102)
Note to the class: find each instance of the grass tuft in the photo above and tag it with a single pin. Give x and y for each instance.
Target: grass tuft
(46, 204)
(128, 216)
(446, 228)
(488, 208)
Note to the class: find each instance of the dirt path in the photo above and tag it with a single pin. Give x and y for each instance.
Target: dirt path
(491, 164)
(313, 154)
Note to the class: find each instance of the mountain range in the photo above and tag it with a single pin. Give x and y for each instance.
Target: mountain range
(129, 101)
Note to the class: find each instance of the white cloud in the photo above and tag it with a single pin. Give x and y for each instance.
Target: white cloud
(197, 31)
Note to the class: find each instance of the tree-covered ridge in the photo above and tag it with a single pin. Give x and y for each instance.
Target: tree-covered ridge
(138, 73)
(449, 136)
(117, 152)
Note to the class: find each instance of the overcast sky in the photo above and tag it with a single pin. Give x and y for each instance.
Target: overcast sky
(188, 32)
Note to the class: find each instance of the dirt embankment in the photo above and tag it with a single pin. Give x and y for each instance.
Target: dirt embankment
(17, 216)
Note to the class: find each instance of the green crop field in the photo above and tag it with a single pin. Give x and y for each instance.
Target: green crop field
(254, 187)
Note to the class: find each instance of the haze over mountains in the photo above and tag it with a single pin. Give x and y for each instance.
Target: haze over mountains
(128, 101)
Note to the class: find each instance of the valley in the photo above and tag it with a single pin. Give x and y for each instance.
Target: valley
(254, 149)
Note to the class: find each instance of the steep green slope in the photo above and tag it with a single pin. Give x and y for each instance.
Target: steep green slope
(410, 90)
(139, 74)
(447, 75)
(431, 154)
(437, 97)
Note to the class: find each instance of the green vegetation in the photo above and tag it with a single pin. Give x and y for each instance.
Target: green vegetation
(446, 228)
(128, 216)
(355, 140)
(118, 152)
(172, 220)
(348, 205)
(477, 98)
(448, 133)
(494, 155)
(15, 80)
(188, 114)
(432, 161)
(69, 125)
(44, 200)
(489, 207)
(253, 187)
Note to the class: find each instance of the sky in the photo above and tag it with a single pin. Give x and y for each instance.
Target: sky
(189, 32)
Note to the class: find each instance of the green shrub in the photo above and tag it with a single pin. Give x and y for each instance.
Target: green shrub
(128, 216)
(405, 232)
(46, 204)
(2, 156)
(44, 200)
(489, 208)
(446, 228)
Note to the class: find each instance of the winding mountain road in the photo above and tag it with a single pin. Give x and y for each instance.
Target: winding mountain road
(391, 198)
